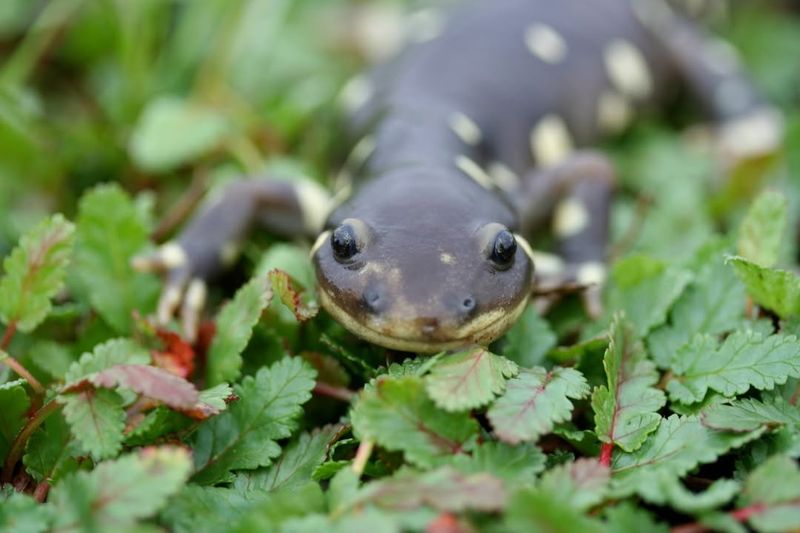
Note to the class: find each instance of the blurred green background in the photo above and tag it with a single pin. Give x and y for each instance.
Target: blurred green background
(162, 94)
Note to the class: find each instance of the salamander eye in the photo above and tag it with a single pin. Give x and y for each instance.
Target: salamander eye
(504, 248)
(343, 242)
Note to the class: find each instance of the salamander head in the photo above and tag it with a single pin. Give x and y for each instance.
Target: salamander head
(423, 268)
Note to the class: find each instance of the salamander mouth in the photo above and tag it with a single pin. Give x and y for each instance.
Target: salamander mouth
(481, 330)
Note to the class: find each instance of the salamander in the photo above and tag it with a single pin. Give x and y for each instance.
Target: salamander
(467, 143)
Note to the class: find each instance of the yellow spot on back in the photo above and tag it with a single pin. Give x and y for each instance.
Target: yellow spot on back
(550, 140)
(627, 69)
(505, 178)
(446, 258)
(592, 273)
(546, 43)
(315, 204)
(465, 128)
(474, 171)
(570, 218)
(614, 112)
(355, 93)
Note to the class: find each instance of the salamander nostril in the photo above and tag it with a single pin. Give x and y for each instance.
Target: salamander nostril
(468, 305)
(374, 300)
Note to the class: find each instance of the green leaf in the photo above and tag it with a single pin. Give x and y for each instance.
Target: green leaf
(14, 405)
(746, 359)
(645, 288)
(117, 493)
(535, 511)
(513, 464)
(205, 509)
(778, 290)
(529, 339)
(749, 414)
(172, 131)
(235, 324)
(243, 437)
(468, 379)
(49, 451)
(270, 512)
(106, 355)
(111, 230)
(295, 465)
(34, 273)
(626, 410)
(398, 415)
(19, 513)
(773, 492)
(627, 518)
(677, 446)
(581, 484)
(96, 419)
(443, 489)
(714, 303)
(534, 401)
(667, 490)
(762, 229)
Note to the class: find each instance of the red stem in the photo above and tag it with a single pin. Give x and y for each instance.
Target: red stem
(11, 329)
(606, 450)
(18, 446)
(740, 515)
(340, 393)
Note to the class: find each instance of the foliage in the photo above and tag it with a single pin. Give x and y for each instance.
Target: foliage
(677, 408)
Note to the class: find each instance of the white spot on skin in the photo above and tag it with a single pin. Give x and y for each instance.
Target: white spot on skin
(592, 273)
(755, 134)
(355, 93)
(547, 264)
(504, 177)
(315, 204)
(193, 304)
(474, 171)
(172, 255)
(546, 43)
(465, 128)
(614, 112)
(322, 238)
(525, 245)
(446, 258)
(571, 217)
(166, 306)
(627, 69)
(550, 140)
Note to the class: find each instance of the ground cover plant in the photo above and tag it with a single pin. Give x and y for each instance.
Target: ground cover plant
(678, 409)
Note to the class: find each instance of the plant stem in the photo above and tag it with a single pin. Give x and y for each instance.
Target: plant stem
(18, 446)
(340, 393)
(606, 450)
(17, 367)
(362, 456)
(11, 329)
(740, 515)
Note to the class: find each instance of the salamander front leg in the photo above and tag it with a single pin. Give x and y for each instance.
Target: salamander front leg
(211, 240)
(575, 198)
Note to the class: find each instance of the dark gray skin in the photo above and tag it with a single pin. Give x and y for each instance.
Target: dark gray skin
(514, 85)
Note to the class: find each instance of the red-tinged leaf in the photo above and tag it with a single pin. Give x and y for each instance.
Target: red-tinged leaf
(211, 402)
(299, 302)
(444, 489)
(177, 357)
(626, 410)
(148, 381)
(583, 483)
